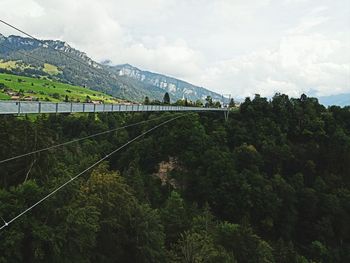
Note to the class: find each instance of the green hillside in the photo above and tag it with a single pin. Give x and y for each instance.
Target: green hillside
(44, 89)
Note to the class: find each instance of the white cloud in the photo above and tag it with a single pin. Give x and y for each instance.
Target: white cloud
(239, 47)
(175, 58)
(301, 64)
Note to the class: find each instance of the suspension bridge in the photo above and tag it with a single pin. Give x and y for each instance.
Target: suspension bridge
(38, 107)
(32, 107)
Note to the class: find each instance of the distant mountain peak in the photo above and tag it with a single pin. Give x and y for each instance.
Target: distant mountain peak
(126, 65)
(175, 87)
(27, 42)
(106, 62)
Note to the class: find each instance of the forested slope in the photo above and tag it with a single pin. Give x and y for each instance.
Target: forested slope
(272, 184)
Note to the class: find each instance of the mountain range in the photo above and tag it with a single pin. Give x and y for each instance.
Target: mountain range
(32, 57)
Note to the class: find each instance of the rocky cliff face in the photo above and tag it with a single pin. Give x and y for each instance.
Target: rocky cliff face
(23, 43)
(175, 87)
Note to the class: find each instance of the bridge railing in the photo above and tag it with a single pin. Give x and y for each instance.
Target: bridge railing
(24, 107)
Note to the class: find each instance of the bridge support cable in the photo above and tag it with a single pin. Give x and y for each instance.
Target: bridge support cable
(77, 140)
(7, 223)
(226, 113)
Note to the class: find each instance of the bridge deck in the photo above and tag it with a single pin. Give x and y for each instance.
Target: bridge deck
(24, 107)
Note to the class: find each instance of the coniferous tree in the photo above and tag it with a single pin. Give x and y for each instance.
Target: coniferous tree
(166, 98)
(147, 101)
(232, 103)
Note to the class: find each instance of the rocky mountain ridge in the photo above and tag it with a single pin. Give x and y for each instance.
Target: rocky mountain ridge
(124, 81)
(173, 86)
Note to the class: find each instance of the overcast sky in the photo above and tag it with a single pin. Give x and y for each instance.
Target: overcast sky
(240, 47)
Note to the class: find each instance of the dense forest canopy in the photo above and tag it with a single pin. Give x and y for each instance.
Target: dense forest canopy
(272, 184)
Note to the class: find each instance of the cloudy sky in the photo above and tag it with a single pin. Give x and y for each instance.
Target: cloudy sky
(238, 47)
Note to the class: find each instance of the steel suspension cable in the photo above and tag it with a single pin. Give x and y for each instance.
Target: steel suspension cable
(77, 140)
(7, 223)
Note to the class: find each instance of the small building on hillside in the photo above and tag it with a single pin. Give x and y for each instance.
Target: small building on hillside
(29, 98)
(12, 93)
(15, 97)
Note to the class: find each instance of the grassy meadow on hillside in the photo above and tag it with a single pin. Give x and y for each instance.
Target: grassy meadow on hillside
(44, 89)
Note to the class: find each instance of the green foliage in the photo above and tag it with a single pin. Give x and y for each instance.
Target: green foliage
(199, 247)
(246, 246)
(146, 101)
(166, 98)
(232, 103)
(123, 222)
(209, 101)
(174, 217)
(269, 185)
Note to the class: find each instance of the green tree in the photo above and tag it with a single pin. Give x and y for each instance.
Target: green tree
(174, 217)
(232, 103)
(199, 247)
(199, 103)
(209, 101)
(128, 231)
(148, 241)
(246, 246)
(217, 104)
(166, 98)
(147, 101)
